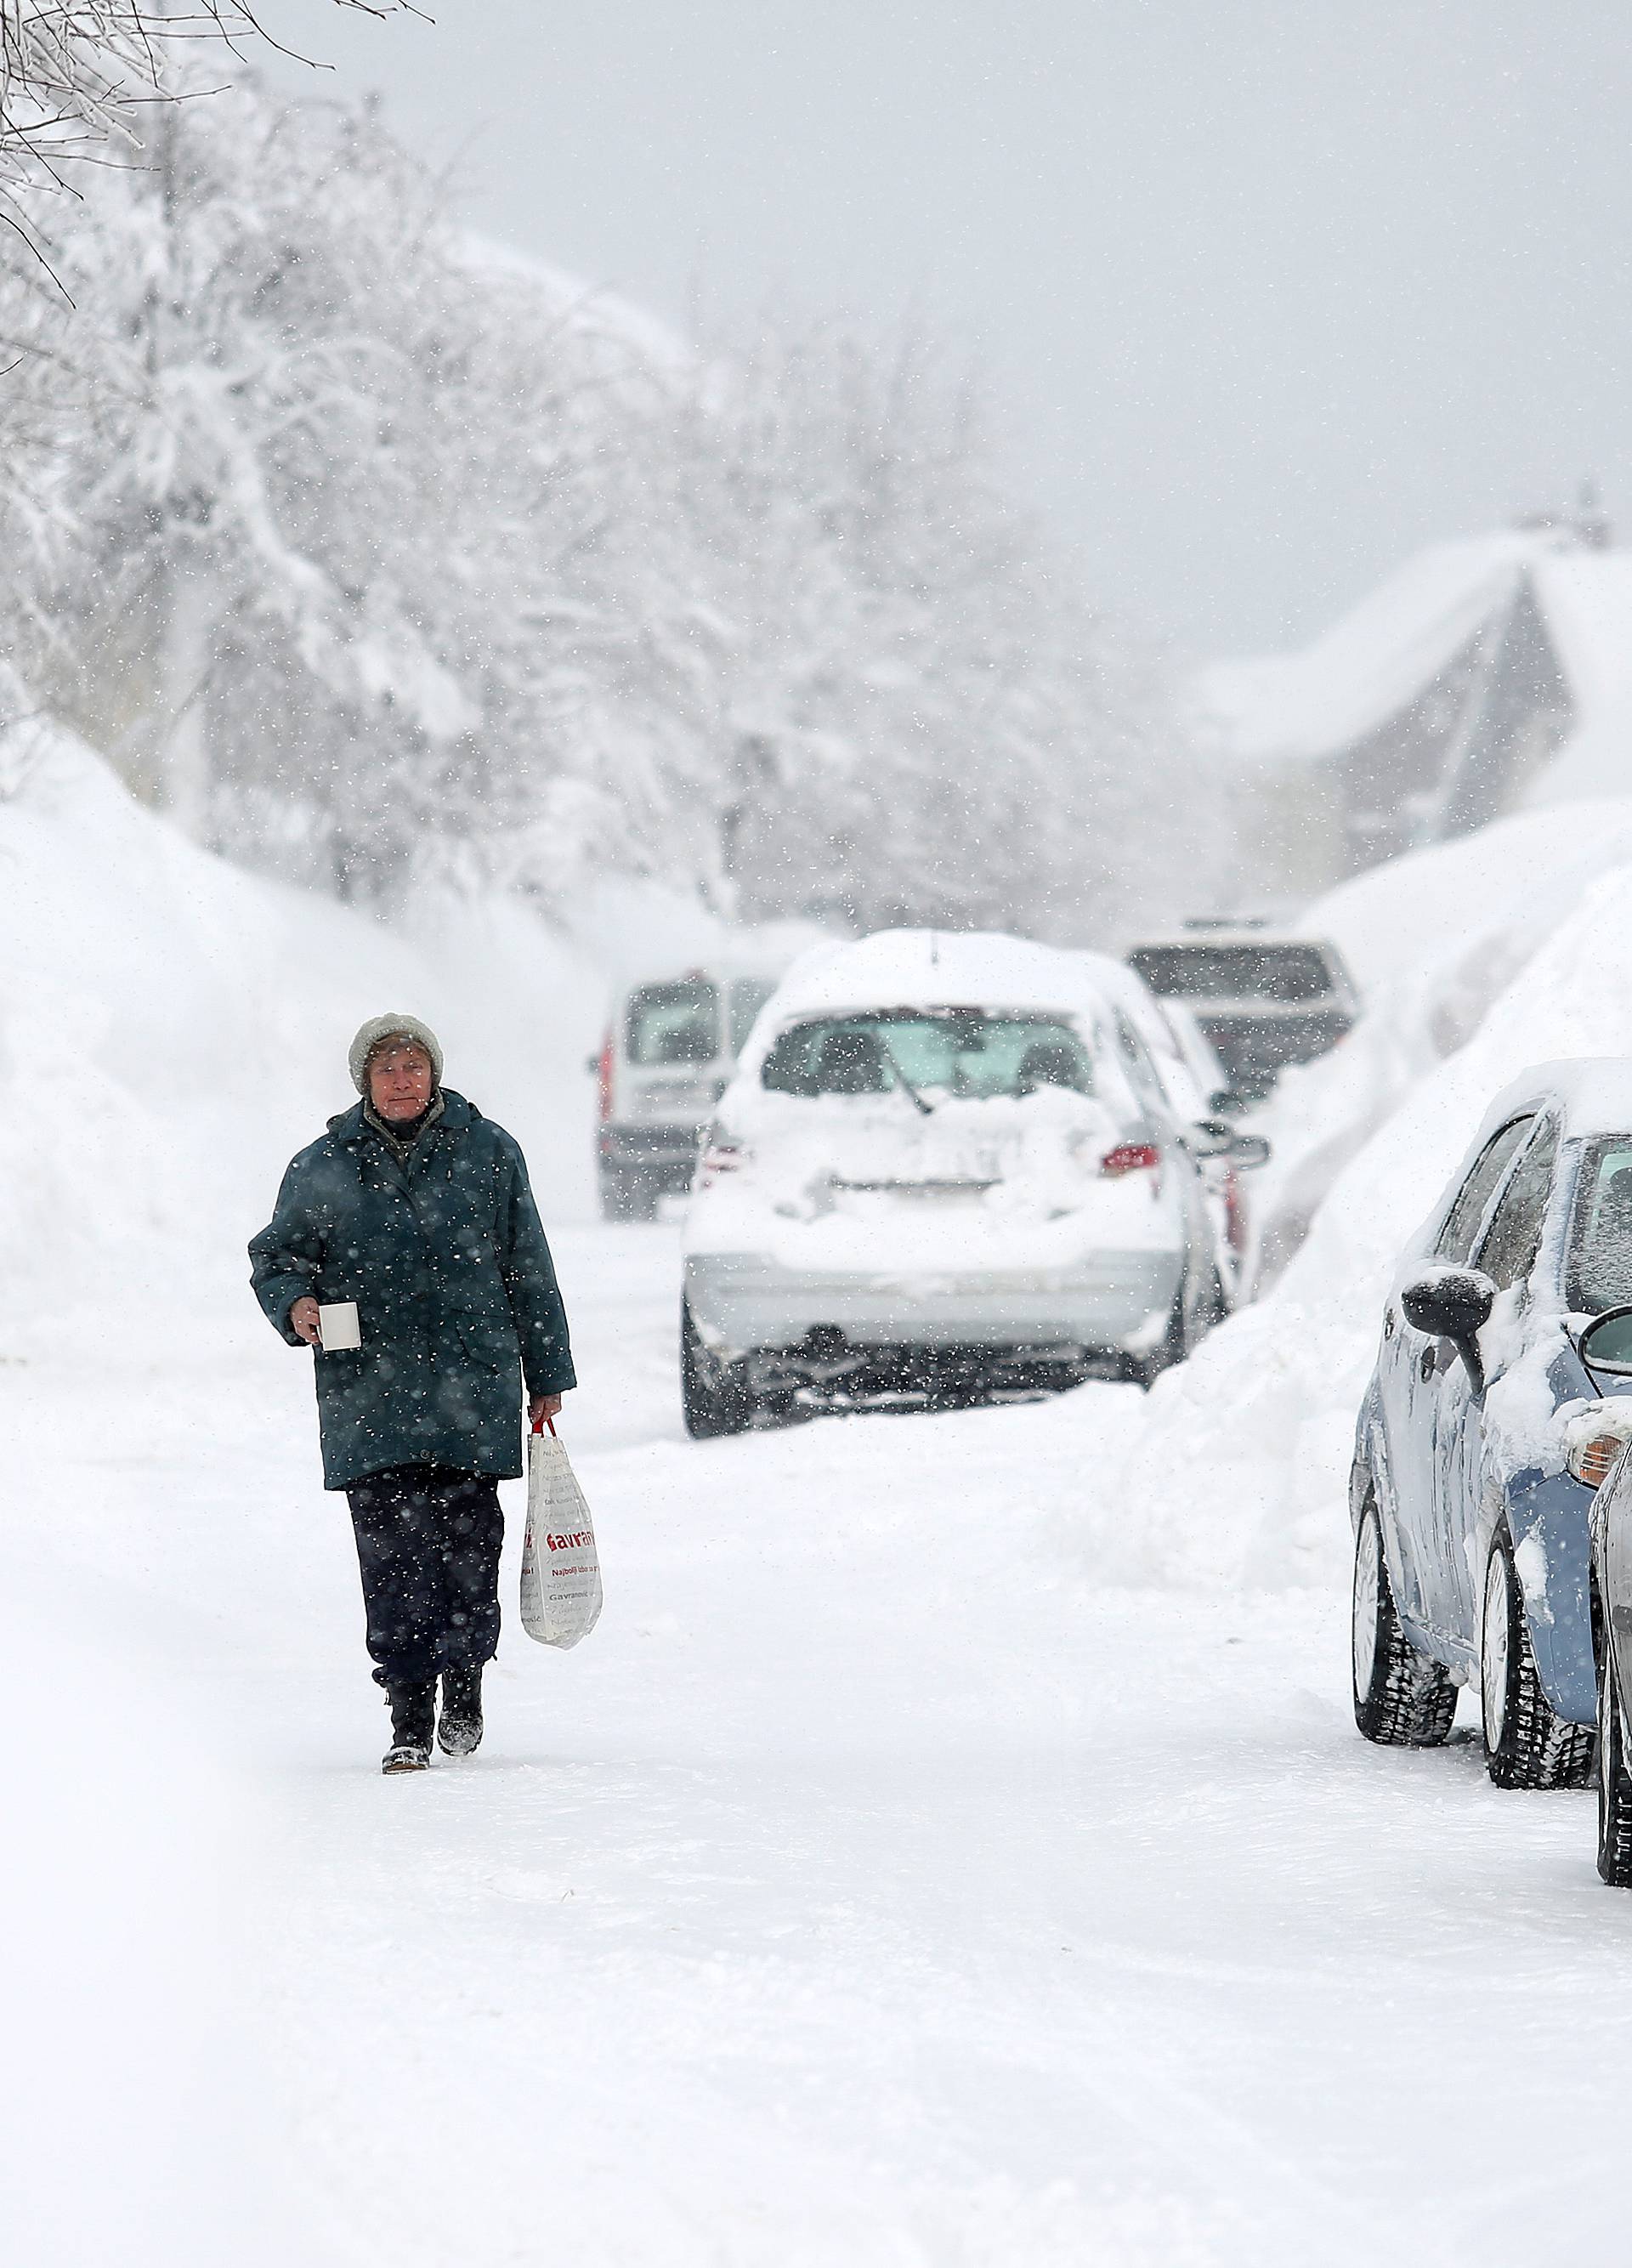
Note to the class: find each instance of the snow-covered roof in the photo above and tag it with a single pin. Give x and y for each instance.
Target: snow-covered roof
(902, 968)
(586, 307)
(1595, 1092)
(1383, 653)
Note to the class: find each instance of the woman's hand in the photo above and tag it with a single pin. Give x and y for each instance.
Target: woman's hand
(304, 1321)
(543, 1406)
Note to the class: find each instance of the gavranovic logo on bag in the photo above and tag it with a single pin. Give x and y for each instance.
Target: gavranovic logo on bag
(570, 1543)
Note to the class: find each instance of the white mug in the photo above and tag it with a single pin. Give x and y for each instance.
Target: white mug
(338, 1329)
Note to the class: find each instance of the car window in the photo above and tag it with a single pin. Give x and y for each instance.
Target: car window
(1509, 1250)
(1235, 972)
(1600, 1267)
(677, 1023)
(1456, 1238)
(749, 995)
(959, 1051)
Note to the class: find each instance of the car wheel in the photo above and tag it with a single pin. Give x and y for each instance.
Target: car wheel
(1198, 1309)
(1527, 1745)
(1614, 1784)
(712, 1401)
(1403, 1699)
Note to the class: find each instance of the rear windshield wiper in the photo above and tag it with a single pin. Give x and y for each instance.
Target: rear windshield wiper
(926, 1109)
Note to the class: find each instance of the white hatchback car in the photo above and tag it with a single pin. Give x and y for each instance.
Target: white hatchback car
(946, 1168)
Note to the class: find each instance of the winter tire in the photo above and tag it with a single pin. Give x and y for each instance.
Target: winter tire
(712, 1400)
(1527, 1745)
(1614, 1784)
(1403, 1699)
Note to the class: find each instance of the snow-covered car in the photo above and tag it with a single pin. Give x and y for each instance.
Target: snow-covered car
(1210, 1081)
(1196, 1092)
(1264, 998)
(1481, 1436)
(946, 1167)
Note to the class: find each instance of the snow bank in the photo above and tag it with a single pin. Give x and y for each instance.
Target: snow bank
(1433, 938)
(173, 1030)
(1237, 1472)
(137, 2108)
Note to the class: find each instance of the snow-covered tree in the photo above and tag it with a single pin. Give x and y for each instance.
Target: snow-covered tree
(80, 79)
(367, 554)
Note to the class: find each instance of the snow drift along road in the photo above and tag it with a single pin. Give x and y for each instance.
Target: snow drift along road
(1433, 939)
(1242, 1458)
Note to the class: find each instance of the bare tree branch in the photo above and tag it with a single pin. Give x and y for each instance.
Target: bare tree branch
(76, 74)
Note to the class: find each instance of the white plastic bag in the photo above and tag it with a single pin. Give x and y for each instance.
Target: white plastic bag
(560, 1569)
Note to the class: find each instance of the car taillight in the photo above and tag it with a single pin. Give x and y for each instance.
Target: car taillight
(1131, 1158)
(603, 1079)
(722, 1157)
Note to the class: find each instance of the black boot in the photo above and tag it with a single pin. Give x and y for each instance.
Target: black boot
(459, 1732)
(413, 1716)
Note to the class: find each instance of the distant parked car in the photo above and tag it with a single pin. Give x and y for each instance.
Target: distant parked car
(1483, 1435)
(1197, 1092)
(671, 1044)
(1263, 999)
(946, 1169)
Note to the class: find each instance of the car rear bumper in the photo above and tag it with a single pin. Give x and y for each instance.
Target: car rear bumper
(671, 1150)
(1117, 1304)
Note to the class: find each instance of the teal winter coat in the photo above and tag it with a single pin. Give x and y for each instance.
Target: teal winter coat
(446, 1258)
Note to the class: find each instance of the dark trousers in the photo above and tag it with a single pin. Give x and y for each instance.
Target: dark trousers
(427, 1545)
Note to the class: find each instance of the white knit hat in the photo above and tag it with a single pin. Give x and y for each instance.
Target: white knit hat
(391, 1027)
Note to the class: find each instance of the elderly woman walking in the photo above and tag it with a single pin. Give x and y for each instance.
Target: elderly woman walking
(416, 1210)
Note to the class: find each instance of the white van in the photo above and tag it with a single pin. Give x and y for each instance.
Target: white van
(671, 1044)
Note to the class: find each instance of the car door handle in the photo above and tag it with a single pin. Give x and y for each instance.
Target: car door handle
(1388, 1323)
(1430, 1363)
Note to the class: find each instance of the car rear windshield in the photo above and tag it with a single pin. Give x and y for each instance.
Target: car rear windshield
(941, 1052)
(1235, 972)
(677, 1023)
(1600, 1242)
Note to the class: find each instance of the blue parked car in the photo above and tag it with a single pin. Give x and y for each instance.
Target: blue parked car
(1483, 1436)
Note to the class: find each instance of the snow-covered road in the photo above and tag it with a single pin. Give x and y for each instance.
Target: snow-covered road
(870, 1889)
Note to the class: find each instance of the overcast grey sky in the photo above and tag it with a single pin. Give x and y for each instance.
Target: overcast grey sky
(1270, 291)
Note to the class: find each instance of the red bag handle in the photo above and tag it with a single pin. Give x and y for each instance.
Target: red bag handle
(551, 1424)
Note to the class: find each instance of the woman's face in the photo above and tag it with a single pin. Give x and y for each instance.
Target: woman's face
(399, 1079)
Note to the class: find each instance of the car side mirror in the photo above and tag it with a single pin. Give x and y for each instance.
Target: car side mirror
(1230, 1103)
(591, 1064)
(1606, 1343)
(1451, 1303)
(1215, 1137)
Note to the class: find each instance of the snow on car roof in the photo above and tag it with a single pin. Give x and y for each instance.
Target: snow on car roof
(1594, 1093)
(902, 968)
